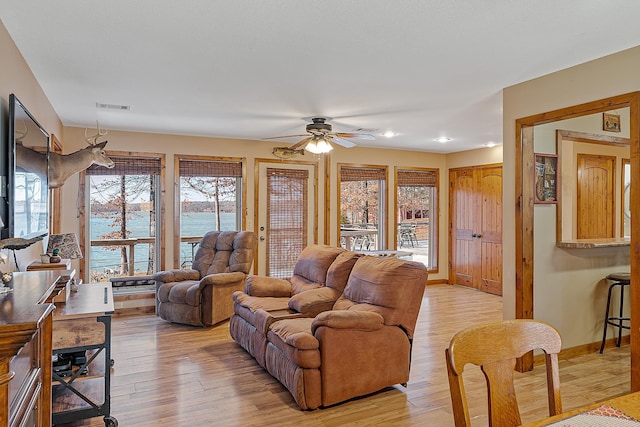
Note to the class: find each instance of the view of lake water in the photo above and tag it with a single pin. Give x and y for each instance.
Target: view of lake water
(193, 224)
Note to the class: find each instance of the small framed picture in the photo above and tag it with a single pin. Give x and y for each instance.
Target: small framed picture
(610, 122)
(546, 179)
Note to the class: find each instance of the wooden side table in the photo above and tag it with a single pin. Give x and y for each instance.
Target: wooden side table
(65, 264)
(83, 325)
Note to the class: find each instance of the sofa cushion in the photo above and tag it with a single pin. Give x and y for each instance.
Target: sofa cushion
(383, 286)
(293, 337)
(222, 253)
(314, 301)
(186, 292)
(340, 269)
(313, 263)
(264, 303)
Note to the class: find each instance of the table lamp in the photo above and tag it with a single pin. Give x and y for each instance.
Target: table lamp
(67, 245)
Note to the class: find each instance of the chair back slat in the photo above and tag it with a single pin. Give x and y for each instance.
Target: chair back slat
(495, 347)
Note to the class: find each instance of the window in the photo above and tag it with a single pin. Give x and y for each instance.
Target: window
(416, 213)
(211, 198)
(123, 230)
(362, 207)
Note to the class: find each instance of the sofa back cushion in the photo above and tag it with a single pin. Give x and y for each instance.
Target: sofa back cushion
(310, 270)
(388, 286)
(225, 251)
(340, 269)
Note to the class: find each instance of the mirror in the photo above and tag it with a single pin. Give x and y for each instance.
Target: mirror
(591, 177)
(28, 173)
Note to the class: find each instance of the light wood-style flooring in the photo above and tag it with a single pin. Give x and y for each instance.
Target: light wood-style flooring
(172, 375)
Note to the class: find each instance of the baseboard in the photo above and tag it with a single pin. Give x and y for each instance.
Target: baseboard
(568, 353)
(135, 311)
(134, 304)
(437, 282)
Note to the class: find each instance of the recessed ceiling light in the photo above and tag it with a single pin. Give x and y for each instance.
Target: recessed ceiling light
(442, 139)
(490, 144)
(389, 134)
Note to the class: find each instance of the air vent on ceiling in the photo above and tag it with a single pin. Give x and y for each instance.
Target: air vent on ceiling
(113, 106)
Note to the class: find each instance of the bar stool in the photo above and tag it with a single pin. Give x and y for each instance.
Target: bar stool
(619, 280)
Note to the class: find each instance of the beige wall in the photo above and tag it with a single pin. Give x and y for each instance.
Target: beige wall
(568, 288)
(73, 139)
(16, 77)
(481, 156)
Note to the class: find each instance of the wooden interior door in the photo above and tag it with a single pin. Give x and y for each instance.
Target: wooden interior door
(462, 201)
(475, 210)
(596, 197)
(490, 236)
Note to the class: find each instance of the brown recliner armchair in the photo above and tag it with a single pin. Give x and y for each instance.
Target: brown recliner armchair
(201, 296)
(360, 346)
(319, 277)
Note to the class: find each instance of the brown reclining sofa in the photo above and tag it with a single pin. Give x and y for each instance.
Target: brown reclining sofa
(342, 326)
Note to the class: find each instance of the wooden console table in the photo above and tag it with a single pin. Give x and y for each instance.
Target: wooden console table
(83, 324)
(25, 350)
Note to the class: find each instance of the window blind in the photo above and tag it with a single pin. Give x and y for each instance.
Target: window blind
(417, 178)
(211, 168)
(128, 166)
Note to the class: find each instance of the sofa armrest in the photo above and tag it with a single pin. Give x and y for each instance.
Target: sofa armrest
(315, 301)
(262, 286)
(221, 279)
(176, 275)
(348, 319)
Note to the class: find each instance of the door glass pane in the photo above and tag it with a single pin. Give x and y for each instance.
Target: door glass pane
(416, 220)
(287, 214)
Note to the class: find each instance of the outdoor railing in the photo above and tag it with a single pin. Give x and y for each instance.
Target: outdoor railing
(130, 244)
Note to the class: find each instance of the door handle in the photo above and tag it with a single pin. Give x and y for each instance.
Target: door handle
(262, 238)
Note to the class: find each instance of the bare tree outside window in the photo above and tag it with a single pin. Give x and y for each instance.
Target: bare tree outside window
(124, 202)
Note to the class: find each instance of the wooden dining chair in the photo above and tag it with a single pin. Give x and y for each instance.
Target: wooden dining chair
(494, 347)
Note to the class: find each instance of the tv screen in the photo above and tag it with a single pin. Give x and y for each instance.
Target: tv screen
(28, 173)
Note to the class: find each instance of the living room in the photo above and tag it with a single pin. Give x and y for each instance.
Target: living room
(521, 100)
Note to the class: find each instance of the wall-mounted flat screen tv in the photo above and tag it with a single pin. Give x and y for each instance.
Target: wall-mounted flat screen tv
(28, 186)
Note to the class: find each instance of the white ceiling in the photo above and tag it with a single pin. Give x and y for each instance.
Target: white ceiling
(254, 69)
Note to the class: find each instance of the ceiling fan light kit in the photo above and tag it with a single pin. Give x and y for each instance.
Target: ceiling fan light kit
(319, 137)
(318, 145)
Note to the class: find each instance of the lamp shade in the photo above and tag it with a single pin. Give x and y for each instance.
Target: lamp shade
(318, 145)
(66, 243)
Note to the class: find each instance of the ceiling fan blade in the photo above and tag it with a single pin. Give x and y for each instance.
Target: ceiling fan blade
(366, 136)
(301, 143)
(345, 143)
(286, 136)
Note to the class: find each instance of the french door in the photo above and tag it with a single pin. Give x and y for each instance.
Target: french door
(286, 206)
(475, 210)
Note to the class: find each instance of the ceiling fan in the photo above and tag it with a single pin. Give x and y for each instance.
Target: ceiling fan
(318, 139)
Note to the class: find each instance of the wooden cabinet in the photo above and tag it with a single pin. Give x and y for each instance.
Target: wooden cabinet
(475, 228)
(596, 197)
(25, 350)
